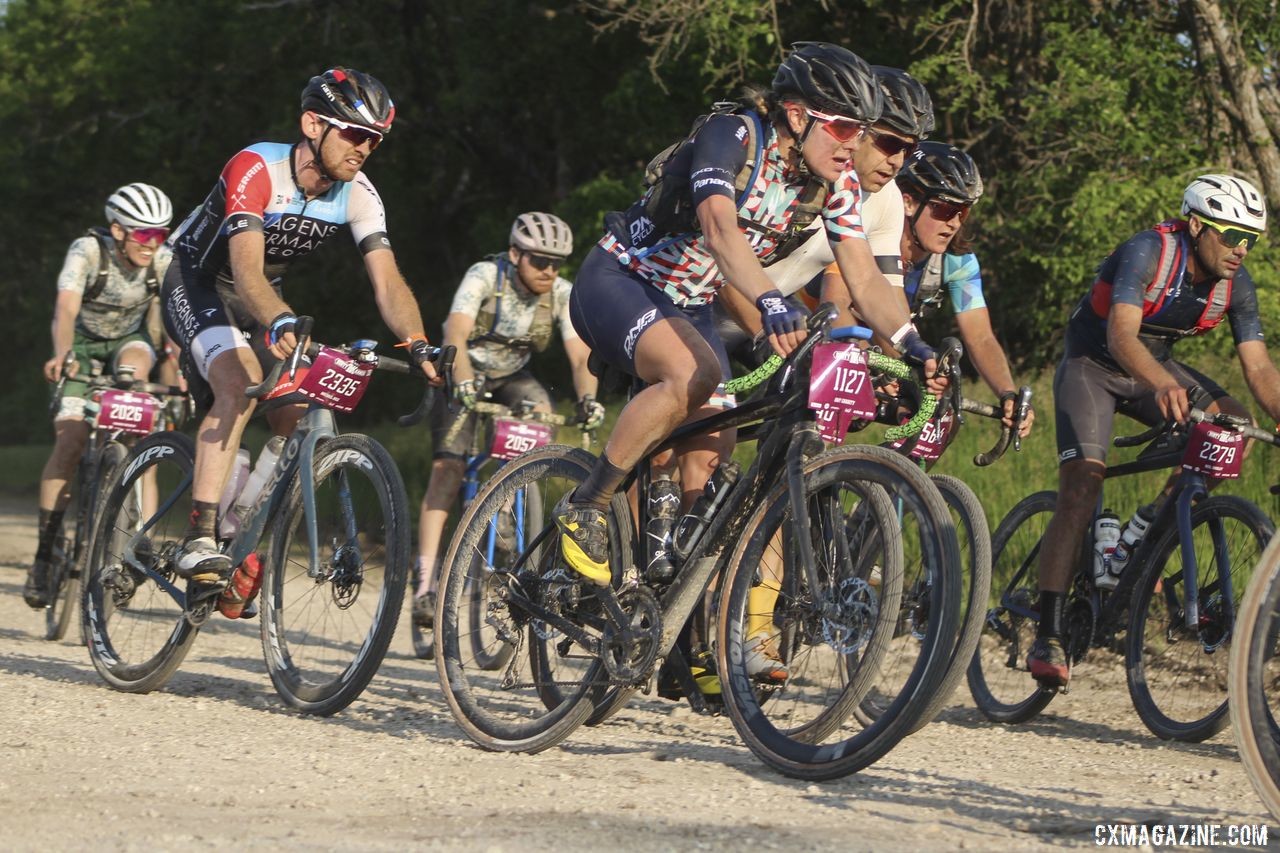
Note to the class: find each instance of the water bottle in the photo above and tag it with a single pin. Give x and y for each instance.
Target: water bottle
(664, 505)
(230, 524)
(261, 473)
(1130, 539)
(1106, 535)
(690, 527)
(242, 588)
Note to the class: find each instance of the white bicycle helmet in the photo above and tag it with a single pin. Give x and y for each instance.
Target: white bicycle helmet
(139, 206)
(1224, 198)
(544, 233)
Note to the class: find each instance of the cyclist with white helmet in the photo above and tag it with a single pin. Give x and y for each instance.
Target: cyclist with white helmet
(642, 299)
(274, 203)
(1181, 278)
(105, 311)
(505, 309)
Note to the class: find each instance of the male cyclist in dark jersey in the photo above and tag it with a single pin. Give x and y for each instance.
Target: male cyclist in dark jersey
(1181, 278)
(274, 203)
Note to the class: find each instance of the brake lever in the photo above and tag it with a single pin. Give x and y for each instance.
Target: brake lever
(1021, 408)
(302, 332)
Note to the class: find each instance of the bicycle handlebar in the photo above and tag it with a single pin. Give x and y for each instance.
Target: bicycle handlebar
(1221, 419)
(1008, 434)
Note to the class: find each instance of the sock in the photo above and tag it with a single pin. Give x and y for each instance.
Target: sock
(204, 518)
(601, 483)
(49, 525)
(1052, 605)
(761, 601)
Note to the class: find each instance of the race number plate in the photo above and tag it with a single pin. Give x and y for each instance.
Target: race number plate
(840, 389)
(512, 438)
(127, 412)
(335, 381)
(1214, 452)
(934, 438)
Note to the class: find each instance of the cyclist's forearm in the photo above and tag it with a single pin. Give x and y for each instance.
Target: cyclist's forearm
(873, 297)
(989, 360)
(399, 309)
(728, 246)
(1261, 376)
(1138, 362)
(457, 330)
(737, 306)
(584, 381)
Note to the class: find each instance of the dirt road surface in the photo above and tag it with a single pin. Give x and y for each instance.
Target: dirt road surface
(215, 760)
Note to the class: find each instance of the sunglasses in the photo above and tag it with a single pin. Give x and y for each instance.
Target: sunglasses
(841, 129)
(146, 236)
(1233, 235)
(945, 211)
(541, 262)
(353, 133)
(890, 145)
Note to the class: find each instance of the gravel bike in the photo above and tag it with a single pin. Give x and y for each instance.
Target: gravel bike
(1253, 674)
(575, 643)
(1176, 599)
(334, 575)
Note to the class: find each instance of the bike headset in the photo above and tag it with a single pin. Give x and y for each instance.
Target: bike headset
(349, 96)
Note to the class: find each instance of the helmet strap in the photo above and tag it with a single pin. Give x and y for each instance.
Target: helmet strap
(914, 217)
(315, 147)
(798, 147)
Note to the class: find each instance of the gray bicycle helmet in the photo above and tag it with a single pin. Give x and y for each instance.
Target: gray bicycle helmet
(939, 170)
(831, 79)
(139, 205)
(542, 233)
(908, 109)
(350, 96)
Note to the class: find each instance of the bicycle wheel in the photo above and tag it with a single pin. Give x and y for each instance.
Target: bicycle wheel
(1253, 673)
(1177, 678)
(550, 681)
(324, 632)
(837, 641)
(999, 680)
(132, 610)
(506, 538)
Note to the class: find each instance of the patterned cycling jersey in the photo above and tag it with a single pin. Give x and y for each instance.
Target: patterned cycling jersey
(945, 274)
(680, 265)
(258, 191)
(121, 306)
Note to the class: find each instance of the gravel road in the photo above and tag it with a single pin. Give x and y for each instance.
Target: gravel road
(215, 760)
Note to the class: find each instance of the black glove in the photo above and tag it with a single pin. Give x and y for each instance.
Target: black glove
(590, 412)
(777, 315)
(282, 325)
(913, 348)
(420, 351)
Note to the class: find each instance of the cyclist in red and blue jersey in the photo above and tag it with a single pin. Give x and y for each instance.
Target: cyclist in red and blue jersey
(642, 299)
(1181, 278)
(274, 203)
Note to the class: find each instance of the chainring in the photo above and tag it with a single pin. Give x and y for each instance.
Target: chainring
(630, 652)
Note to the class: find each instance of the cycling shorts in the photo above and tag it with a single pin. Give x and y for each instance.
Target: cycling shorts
(107, 353)
(453, 432)
(199, 321)
(1087, 394)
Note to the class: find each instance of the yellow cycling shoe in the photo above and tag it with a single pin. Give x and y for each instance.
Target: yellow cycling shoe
(584, 540)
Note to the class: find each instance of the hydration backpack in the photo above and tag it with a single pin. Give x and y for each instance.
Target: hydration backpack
(487, 317)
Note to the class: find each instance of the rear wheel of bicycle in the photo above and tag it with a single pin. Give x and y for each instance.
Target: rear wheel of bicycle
(1178, 675)
(838, 641)
(325, 631)
(1254, 673)
(133, 617)
(550, 682)
(998, 677)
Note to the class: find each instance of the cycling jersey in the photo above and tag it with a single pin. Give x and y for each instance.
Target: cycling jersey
(258, 191)
(120, 307)
(680, 265)
(1130, 269)
(513, 318)
(939, 275)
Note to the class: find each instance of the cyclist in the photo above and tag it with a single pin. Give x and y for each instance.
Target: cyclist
(504, 310)
(906, 119)
(106, 298)
(273, 203)
(939, 185)
(1181, 278)
(642, 298)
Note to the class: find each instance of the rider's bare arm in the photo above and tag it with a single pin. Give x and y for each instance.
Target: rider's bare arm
(989, 359)
(247, 251)
(584, 381)
(396, 302)
(1261, 376)
(1123, 323)
(724, 240)
(457, 328)
(66, 308)
(741, 309)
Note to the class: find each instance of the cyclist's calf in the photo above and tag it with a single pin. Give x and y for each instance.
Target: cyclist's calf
(1079, 484)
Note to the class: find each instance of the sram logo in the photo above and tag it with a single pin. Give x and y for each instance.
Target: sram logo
(151, 453)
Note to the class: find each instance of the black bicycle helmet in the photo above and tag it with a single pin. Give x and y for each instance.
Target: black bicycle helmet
(908, 109)
(351, 96)
(830, 79)
(939, 170)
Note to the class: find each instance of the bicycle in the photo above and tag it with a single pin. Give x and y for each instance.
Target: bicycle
(330, 569)
(1252, 676)
(1176, 615)
(576, 645)
(514, 432)
(118, 410)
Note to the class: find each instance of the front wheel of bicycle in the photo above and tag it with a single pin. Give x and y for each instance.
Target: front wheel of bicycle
(506, 538)
(132, 610)
(1178, 674)
(834, 640)
(1001, 684)
(326, 627)
(1254, 672)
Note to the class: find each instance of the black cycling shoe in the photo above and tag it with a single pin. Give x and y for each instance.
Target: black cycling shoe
(424, 610)
(1047, 661)
(35, 592)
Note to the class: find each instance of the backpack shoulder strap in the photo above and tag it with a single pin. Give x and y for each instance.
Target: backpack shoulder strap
(103, 236)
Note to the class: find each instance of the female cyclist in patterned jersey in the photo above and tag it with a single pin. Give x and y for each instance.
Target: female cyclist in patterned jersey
(642, 299)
